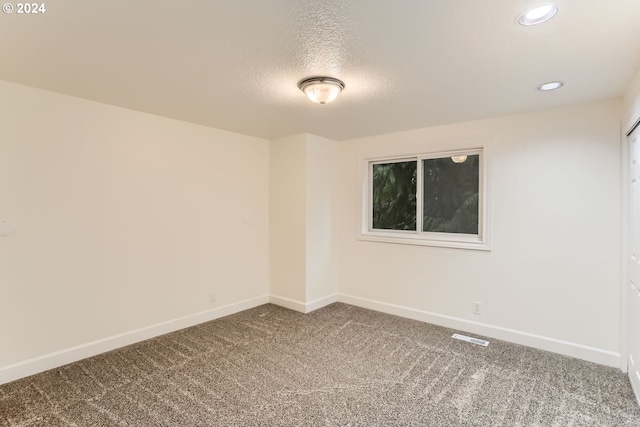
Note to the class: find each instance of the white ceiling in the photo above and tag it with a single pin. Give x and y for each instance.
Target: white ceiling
(235, 64)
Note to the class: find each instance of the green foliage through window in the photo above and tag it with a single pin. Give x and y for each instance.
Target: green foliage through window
(449, 201)
(450, 195)
(394, 196)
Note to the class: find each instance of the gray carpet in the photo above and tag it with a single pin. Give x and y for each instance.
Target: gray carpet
(338, 366)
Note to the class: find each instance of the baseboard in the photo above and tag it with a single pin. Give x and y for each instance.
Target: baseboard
(300, 306)
(321, 302)
(289, 303)
(59, 358)
(591, 354)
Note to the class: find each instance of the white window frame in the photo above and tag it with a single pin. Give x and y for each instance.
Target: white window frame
(418, 237)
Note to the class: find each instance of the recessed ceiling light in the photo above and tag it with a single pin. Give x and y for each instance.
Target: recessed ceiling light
(538, 14)
(550, 86)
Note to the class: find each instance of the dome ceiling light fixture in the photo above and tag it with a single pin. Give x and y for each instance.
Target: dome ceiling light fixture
(459, 159)
(538, 14)
(321, 90)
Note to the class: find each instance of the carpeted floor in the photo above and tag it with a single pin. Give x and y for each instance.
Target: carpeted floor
(338, 366)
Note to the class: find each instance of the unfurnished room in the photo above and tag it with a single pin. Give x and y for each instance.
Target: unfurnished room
(320, 213)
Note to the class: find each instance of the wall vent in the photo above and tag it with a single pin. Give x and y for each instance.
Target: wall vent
(470, 339)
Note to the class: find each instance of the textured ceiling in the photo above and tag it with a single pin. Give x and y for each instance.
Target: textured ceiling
(407, 64)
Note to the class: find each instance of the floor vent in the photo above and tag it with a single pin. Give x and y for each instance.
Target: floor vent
(471, 339)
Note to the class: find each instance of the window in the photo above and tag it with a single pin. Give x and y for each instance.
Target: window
(394, 195)
(429, 199)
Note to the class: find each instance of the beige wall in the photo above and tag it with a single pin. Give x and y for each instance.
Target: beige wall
(552, 278)
(321, 281)
(631, 103)
(287, 218)
(123, 220)
(301, 247)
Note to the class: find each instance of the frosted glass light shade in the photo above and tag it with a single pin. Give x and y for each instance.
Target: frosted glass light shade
(458, 159)
(321, 90)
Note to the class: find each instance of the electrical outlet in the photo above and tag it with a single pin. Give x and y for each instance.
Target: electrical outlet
(477, 307)
(212, 297)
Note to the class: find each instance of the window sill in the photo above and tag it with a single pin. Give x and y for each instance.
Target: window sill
(470, 243)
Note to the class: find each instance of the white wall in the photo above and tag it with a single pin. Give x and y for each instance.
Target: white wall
(321, 281)
(287, 217)
(552, 278)
(302, 273)
(631, 103)
(124, 220)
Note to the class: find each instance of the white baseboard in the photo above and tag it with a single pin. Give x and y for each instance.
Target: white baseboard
(289, 303)
(59, 358)
(591, 354)
(300, 306)
(321, 302)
